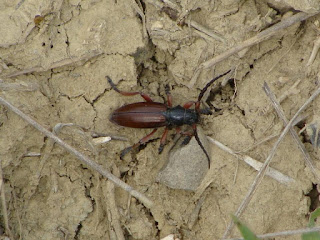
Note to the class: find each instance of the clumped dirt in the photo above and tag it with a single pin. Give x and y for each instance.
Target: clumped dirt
(54, 59)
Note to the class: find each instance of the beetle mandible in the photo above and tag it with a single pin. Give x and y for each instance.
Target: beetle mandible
(150, 114)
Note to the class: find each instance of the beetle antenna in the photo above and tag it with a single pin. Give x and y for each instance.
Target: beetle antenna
(209, 84)
(200, 144)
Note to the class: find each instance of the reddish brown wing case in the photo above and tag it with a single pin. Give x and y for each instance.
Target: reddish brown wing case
(141, 115)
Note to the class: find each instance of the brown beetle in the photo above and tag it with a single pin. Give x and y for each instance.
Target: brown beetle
(150, 114)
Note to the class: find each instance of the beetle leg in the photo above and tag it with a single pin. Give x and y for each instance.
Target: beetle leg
(179, 131)
(145, 97)
(163, 139)
(197, 106)
(199, 142)
(125, 151)
(169, 97)
(205, 111)
(187, 105)
(114, 87)
(186, 140)
(141, 142)
(188, 135)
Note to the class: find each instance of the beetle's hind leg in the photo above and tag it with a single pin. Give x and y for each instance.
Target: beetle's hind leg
(163, 139)
(142, 141)
(114, 87)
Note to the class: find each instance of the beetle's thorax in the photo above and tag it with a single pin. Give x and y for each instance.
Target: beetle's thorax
(178, 116)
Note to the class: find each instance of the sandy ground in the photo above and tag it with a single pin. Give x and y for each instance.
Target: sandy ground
(54, 56)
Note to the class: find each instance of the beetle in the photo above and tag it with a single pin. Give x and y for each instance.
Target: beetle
(150, 114)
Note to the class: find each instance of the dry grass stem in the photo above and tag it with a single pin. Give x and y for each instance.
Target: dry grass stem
(194, 216)
(84, 159)
(314, 52)
(207, 31)
(138, 8)
(283, 55)
(17, 213)
(44, 157)
(4, 205)
(291, 91)
(113, 213)
(203, 35)
(18, 86)
(295, 136)
(284, 233)
(266, 139)
(278, 176)
(265, 165)
(61, 63)
(262, 36)
(194, 78)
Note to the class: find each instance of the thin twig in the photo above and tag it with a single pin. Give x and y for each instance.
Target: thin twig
(265, 166)
(273, 173)
(295, 136)
(262, 36)
(291, 91)
(4, 205)
(266, 139)
(203, 35)
(138, 8)
(194, 216)
(284, 233)
(63, 62)
(207, 31)
(194, 78)
(314, 52)
(286, 52)
(146, 201)
(18, 86)
(113, 212)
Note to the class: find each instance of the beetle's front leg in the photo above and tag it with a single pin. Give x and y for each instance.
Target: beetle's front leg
(114, 87)
(142, 141)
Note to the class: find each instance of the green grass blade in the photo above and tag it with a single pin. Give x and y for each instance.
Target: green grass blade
(311, 236)
(315, 235)
(246, 233)
(314, 215)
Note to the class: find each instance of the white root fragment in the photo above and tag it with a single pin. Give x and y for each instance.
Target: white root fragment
(101, 140)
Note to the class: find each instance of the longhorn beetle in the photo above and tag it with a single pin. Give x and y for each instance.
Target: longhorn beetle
(150, 114)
